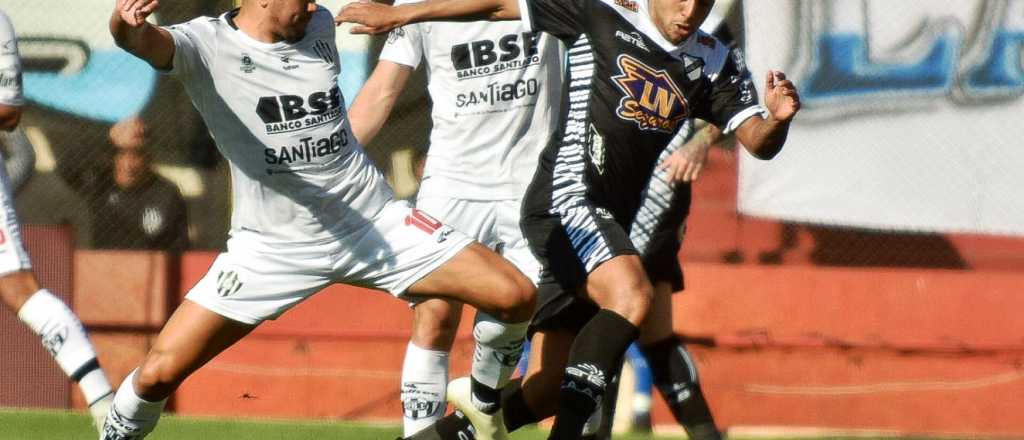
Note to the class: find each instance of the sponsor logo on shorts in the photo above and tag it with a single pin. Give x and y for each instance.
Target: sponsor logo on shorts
(488, 57)
(628, 4)
(652, 99)
(228, 283)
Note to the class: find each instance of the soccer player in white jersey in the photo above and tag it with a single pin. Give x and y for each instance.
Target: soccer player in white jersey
(310, 209)
(60, 330)
(494, 89)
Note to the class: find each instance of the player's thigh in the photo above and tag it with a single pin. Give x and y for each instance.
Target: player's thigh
(434, 324)
(413, 255)
(513, 244)
(478, 276)
(658, 324)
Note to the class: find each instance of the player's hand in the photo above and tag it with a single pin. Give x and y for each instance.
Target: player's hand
(135, 12)
(370, 17)
(781, 97)
(686, 163)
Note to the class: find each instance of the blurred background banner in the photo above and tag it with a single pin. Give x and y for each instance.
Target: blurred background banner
(911, 119)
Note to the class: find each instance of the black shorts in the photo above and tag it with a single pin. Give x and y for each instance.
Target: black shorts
(568, 248)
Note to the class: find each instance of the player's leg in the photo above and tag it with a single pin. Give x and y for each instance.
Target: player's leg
(504, 299)
(425, 368)
(620, 288)
(63, 336)
(53, 321)
(192, 336)
(673, 368)
(250, 283)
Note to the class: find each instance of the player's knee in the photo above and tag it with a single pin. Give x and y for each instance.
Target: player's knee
(158, 376)
(517, 299)
(632, 301)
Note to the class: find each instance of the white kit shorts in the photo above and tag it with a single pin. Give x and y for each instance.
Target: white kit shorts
(254, 281)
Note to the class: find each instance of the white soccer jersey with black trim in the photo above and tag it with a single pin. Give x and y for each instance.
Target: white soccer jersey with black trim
(278, 116)
(10, 65)
(495, 88)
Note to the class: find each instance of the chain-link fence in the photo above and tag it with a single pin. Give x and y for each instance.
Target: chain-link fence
(78, 85)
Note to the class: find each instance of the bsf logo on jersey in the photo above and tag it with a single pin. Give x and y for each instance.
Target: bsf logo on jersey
(287, 113)
(652, 99)
(487, 57)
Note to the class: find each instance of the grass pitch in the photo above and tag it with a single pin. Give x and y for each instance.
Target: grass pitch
(62, 425)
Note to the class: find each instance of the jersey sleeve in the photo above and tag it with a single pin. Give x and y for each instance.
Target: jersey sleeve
(193, 46)
(733, 96)
(404, 46)
(565, 19)
(10, 65)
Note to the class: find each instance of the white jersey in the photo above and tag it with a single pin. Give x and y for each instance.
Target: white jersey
(10, 65)
(495, 89)
(277, 114)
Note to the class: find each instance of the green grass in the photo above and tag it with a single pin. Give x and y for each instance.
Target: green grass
(62, 425)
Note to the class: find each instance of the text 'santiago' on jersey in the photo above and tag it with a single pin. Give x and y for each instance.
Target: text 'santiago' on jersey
(487, 57)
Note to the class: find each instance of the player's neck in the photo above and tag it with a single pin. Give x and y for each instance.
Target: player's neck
(256, 26)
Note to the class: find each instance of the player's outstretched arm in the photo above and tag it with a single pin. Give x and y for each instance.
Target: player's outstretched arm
(376, 99)
(376, 18)
(134, 34)
(764, 138)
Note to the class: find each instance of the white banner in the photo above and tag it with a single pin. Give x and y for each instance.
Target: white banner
(913, 117)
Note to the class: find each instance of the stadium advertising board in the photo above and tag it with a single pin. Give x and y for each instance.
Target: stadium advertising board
(911, 117)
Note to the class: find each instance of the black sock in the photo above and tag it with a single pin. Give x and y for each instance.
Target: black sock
(593, 359)
(489, 398)
(675, 376)
(453, 426)
(517, 413)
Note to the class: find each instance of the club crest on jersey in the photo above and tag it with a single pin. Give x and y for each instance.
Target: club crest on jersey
(248, 66)
(652, 99)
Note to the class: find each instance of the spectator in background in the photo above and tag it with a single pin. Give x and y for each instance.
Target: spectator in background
(131, 207)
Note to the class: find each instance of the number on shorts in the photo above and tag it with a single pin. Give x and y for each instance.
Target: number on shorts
(422, 220)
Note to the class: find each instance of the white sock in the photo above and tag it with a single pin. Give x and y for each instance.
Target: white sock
(499, 346)
(64, 337)
(131, 414)
(424, 381)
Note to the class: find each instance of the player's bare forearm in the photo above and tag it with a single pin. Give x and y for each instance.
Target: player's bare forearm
(376, 99)
(375, 18)
(763, 138)
(146, 41)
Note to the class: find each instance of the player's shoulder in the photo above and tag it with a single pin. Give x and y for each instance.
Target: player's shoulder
(201, 25)
(321, 23)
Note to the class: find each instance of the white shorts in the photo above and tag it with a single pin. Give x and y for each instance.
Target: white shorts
(13, 257)
(494, 223)
(254, 281)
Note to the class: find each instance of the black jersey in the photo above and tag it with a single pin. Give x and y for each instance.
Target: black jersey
(629, 91)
